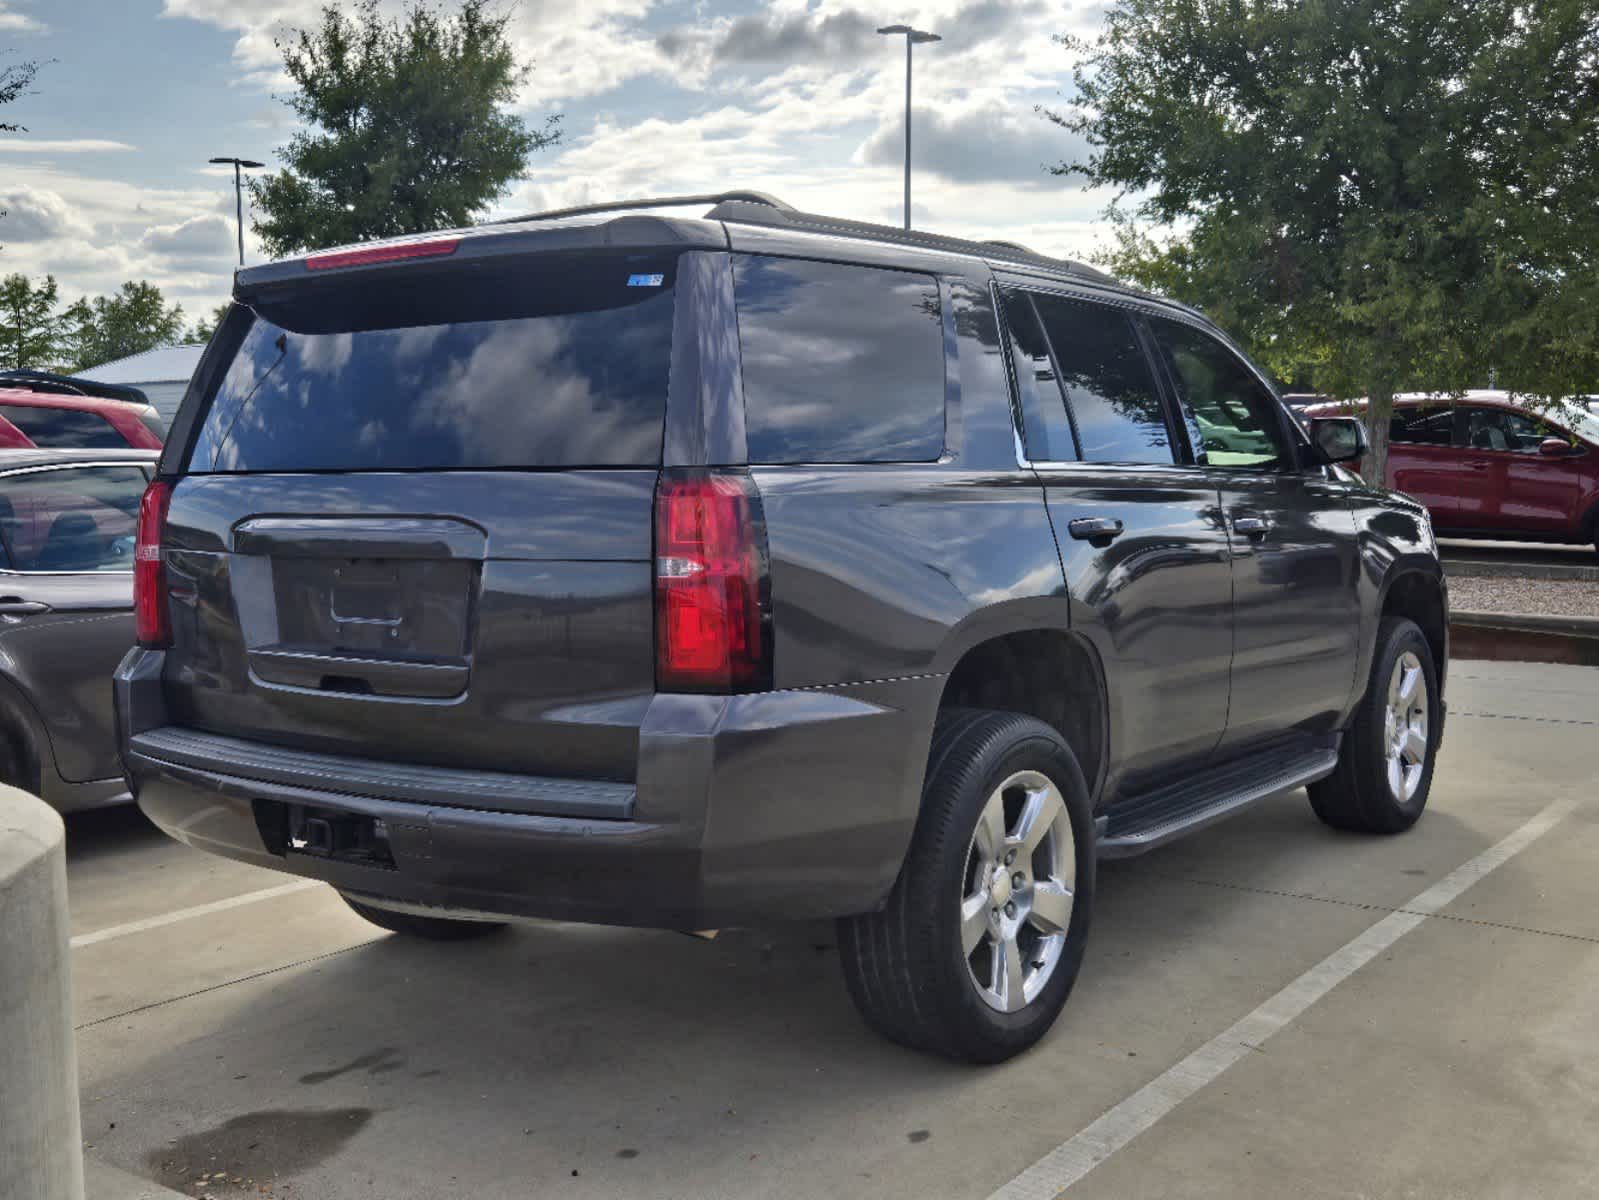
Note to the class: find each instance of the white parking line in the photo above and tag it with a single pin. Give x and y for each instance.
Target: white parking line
(185, 914)
(1080, 1154)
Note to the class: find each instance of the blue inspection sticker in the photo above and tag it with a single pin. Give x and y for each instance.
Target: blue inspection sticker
(645, 280)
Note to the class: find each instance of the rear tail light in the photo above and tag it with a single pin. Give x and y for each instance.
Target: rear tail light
(712, 592)
(395, 252)
(152, 610)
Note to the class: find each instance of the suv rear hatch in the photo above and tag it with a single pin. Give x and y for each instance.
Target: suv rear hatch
(413, 518)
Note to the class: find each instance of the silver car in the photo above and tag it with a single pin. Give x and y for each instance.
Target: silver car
(67, 527)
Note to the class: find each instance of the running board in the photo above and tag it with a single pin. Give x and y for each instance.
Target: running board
(1144, 822)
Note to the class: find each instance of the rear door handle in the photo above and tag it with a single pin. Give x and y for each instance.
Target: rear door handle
(1251, 526)
(1092, 529)
(16, 606)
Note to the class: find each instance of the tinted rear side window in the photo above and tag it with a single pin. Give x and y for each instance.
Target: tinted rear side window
(1422, 426)
(1116, 411)
(841, 363)
(64, 427)
(71, 519)
(547, 363)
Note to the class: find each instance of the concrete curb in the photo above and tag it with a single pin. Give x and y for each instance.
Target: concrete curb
(1478, 568)
(105, 1182)
(41, 1143)
(1529, 622)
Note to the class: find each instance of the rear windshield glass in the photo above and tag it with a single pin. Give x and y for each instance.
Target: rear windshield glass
(63, 427)
(547, 363)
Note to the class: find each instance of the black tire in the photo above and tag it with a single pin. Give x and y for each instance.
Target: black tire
(1358, 795)
(434, 929)
(905, 965)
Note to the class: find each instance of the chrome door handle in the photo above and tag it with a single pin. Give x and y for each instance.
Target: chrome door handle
(1251, 526)
(1093, 529)
(16, 606)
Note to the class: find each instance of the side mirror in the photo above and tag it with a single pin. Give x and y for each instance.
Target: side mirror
(1340, 439)
(1556, 447)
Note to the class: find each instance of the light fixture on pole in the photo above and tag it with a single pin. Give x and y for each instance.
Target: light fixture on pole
(238, 193)
(913, 37)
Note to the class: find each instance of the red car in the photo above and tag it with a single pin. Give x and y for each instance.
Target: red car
(58, 412)
(1487, 466)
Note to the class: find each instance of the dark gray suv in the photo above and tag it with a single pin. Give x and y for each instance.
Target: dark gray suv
(610, 566)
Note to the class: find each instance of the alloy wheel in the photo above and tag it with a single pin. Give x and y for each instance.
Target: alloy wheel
(1405, 727)
(1017, 891)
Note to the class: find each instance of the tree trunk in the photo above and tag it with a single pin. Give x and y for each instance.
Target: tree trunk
(1379, 412)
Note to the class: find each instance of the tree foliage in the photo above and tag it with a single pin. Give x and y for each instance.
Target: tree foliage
(406, 128)
(134, 319)
(15, 79)
(205, 327)
(30, 328)
(1373, 194)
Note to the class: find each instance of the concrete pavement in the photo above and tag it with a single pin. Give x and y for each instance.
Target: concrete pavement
(284, 1044)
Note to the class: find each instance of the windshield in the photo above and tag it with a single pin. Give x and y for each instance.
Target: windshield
(547, 365)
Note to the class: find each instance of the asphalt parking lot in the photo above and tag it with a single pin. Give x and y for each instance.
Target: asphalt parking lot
(1267, 1009)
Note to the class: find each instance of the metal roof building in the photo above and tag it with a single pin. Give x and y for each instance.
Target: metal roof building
(161, 374)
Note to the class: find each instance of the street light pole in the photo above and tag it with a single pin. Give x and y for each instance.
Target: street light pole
(238, 193)
(913, 37)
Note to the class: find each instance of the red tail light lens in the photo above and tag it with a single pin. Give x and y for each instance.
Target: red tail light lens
(152, 611)
(712, 595)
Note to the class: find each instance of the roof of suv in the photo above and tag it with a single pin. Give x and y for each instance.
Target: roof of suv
(636, 224)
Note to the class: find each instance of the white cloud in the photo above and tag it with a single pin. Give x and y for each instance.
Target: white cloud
(36, 215)
(93, 233)
(987, 141)
(12, 21)
(15, 145)
(574, 51)
(197, 243)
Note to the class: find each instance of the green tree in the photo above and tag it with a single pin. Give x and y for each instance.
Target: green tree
(30, 328)
(15, 80)
(205, 327)
(135, 319)
(406, 128)
(1377, 194)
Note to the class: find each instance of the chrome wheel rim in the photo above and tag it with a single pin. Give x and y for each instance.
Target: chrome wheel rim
(1017, 891)
(1405, 727)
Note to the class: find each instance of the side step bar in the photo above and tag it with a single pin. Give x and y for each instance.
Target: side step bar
(1141, 823)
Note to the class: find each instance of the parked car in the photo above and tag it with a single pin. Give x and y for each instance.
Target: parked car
(1488, 466)
(701, 572)
(67, 525)
(63, 412)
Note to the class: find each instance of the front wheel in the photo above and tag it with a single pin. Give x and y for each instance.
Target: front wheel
(1385, 765)
(982, 937)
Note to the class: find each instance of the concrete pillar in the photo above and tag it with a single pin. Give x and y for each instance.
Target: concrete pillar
(41, 1144)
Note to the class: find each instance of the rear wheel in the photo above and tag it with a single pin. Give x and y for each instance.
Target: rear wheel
(434, 929)
(982, 937)
(1385, 766)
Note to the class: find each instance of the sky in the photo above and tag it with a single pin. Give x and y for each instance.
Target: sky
(799, 98)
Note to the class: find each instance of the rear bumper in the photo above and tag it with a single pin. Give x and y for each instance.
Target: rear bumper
(794, 804)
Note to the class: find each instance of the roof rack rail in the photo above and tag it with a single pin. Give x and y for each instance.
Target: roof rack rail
(736, 210)
(743, 197)
(45, 382)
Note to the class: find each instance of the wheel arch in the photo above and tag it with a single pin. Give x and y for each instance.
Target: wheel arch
(1042, 671)
(1420, 593)
(20, 722)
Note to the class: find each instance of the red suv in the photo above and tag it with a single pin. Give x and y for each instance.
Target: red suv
(59, 412)
(1487, 466)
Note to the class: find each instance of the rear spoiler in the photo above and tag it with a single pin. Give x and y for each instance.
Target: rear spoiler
(474, 246)
(70, 385)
